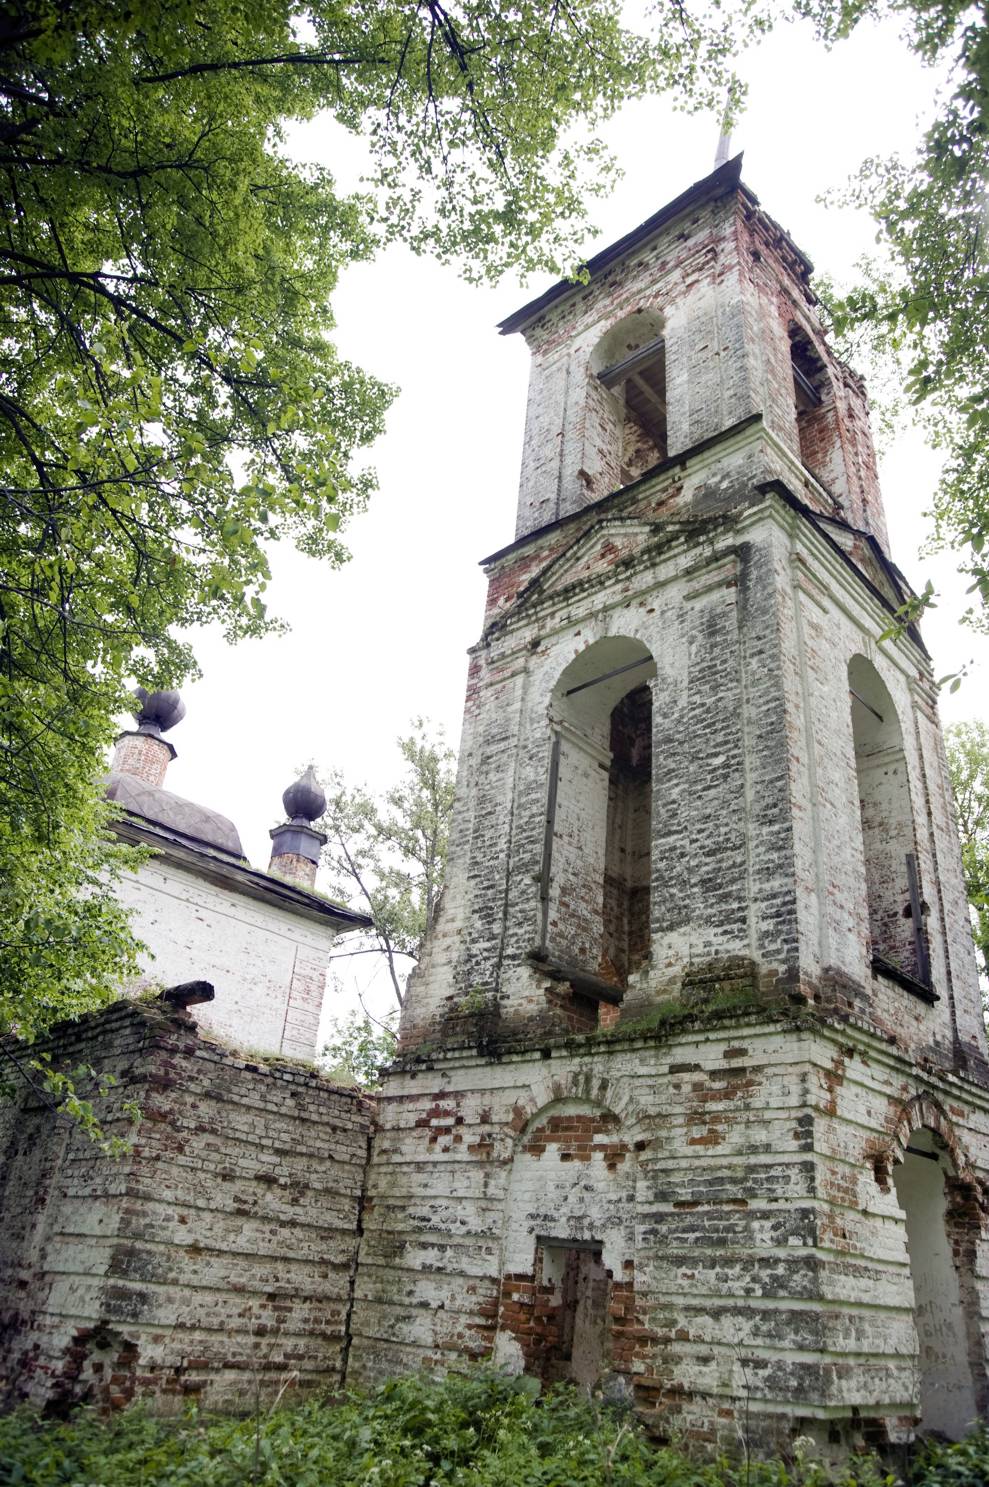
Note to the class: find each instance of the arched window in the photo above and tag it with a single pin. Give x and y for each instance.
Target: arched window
(629, 366)
(896, 909)
(596, 853)
(946, 1386)
(816, 428)
(625, 935)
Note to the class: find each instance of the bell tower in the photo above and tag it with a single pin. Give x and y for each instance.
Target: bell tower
(692, 1103)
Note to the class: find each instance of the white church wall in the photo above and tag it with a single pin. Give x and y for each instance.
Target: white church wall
(267, 965)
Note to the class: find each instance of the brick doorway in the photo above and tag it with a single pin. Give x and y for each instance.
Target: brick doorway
(578, 1288)
(947, 1394)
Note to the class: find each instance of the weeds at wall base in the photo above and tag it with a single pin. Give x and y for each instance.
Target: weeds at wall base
(478, 1429)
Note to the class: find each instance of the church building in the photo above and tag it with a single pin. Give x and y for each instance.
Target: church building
(260, 941)
(692, 1103)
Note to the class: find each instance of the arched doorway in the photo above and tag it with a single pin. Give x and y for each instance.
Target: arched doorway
(567, 1307)
(946, 1389)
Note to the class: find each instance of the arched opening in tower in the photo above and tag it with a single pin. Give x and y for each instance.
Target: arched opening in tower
(595, 880)
(625, 941)
(629, 363)
(817, 428)
(945, 1378)
(893, 890)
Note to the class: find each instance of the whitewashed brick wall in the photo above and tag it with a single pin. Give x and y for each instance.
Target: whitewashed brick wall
(267, 964)
(212, 1261)
(751, 1225)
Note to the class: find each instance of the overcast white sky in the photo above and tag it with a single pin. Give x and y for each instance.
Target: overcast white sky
(385, 638)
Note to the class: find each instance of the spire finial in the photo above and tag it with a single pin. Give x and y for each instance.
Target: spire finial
(723, 153)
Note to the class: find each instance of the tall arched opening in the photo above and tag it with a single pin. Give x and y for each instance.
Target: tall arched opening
(813, 398)
(893, 890)
(595, 882)
(946, 1389)
(627, 396)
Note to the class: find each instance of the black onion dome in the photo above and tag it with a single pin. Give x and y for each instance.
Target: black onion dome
(158, 711)
(304, 800)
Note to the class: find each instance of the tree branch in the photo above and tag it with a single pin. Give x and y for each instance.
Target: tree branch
(288, 59)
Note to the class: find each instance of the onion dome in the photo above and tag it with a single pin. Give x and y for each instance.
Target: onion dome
(305, 800)
(158, 711)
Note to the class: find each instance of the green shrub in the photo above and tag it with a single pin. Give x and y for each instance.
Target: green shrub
(480, 1429)
(955, 1464)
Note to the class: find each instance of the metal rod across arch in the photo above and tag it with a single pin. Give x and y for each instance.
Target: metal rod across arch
(852, 693)
(629, 666)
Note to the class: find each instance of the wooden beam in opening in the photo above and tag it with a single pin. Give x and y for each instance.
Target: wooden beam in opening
(806, 388)
(585, 983)
(621, 369)
(647, 392)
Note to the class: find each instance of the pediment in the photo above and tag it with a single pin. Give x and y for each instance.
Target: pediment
(860, 548)
(609, 543)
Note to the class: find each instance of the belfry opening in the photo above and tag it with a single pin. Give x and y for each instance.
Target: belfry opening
(625, 937)
(597, 850)
(630, 369)
(812, 397)
(897, 909)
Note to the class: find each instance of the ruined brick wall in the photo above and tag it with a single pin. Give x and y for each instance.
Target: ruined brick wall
(214, 1260)
(735, 1174)
(267, 963)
